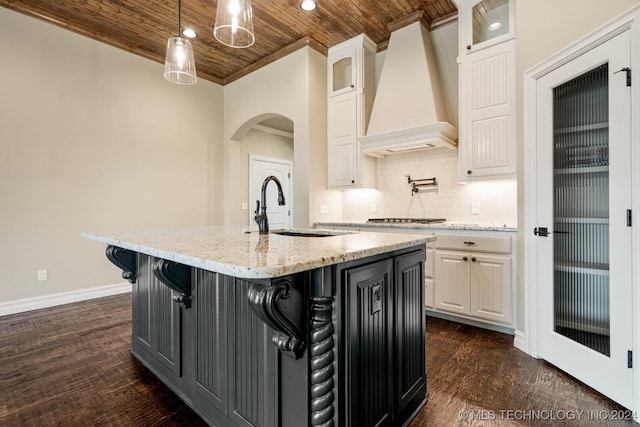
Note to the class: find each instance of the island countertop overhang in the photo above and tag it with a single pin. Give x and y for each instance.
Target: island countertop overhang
(231, 251)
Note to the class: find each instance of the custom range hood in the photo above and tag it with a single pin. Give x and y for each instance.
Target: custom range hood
(408, 111)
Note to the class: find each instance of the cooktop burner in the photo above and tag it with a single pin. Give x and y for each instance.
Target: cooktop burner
(407, 220)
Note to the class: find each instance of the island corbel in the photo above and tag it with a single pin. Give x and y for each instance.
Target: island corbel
(280, 304)
(125, 260)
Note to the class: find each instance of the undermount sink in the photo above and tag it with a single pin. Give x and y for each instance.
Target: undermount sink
(310, 233)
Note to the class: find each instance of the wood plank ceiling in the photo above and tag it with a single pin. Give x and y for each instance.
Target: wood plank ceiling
(143, 26)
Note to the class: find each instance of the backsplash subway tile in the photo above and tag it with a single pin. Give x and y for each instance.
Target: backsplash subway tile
(496, 200)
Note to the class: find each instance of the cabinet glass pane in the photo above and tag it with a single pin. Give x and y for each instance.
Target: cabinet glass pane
(490, 20)
(581, 209)
(342, 73)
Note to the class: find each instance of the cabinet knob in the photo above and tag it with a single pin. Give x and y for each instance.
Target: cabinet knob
(464, 258)
(473, 259)
(353, 181)
(469, 172)
(468, 47)
(352, 86)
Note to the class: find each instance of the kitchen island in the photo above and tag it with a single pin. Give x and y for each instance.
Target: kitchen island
(310, 328)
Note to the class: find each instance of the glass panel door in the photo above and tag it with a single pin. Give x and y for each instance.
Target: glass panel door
(583, 247)
(581, 209)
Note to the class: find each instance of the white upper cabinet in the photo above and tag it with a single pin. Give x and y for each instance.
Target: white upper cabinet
(350, 70)
(487, 129)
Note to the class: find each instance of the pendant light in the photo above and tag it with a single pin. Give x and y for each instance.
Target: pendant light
(234, 23)
(179, 65)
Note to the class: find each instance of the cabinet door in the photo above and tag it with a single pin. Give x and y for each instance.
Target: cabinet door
(343, 155)
(452, 282)
(343, 66)
(156, 322)
(429, 282)
(141, 307)
(409, 329)
(209, 341)
(491, 296)
(168, 328)
(369, 344)
(488, 109)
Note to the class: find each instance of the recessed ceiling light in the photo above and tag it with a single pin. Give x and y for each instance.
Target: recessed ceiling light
(308, 5)
(189, 33)
(495, 26)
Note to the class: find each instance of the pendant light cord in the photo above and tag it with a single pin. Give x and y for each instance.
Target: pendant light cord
(179, 18)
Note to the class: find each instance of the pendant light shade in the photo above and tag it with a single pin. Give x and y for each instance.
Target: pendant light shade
(234, 23)
(179, 65)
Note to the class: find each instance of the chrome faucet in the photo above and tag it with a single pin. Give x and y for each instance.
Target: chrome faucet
(261, 216)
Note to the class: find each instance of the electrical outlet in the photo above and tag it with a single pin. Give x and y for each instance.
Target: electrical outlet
(475, 208)
(374, 208)
(42, 275)
(324, 209)
(245, 206)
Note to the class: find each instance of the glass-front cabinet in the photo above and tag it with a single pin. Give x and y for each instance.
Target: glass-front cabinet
(486, 22)
(350, 74)
(487, 91)
(342, 74)
(345, 63)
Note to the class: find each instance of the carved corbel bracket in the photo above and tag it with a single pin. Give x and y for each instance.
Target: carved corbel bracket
(125, 260)
(280, 305)
(176, 277)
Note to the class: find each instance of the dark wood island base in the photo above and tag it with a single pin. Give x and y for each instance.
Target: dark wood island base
(338, 345)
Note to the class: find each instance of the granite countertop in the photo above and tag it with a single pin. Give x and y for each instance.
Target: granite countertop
(409, 226)
(231, 251)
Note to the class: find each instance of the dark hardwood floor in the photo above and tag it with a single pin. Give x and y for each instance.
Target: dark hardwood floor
(70, 366)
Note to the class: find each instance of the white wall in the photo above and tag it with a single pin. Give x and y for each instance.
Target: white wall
(497, 200)
(93, 138)
(293, 87)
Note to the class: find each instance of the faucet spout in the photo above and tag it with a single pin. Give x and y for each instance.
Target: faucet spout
(261, 205)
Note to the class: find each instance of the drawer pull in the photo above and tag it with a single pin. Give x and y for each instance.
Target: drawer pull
(469, 243)
(473, 259)
(464, 258)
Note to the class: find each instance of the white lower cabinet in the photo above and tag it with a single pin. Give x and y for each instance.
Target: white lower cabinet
(474, 277)
(474, 284)
(429, 281)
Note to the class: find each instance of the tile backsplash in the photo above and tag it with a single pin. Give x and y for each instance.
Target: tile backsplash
(495, 201)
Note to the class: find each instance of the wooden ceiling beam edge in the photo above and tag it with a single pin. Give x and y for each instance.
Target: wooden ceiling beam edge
(418, 15)
(303, 42)
(445, 20)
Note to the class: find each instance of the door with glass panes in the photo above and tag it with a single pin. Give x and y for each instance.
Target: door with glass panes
(583, 242)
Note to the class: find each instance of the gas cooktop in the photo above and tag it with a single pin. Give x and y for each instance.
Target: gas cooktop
(407, 220)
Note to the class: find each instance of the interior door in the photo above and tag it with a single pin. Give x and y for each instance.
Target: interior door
(583, 242)
(261, 168)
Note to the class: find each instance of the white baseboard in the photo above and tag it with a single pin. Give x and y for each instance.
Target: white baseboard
(519, 342)
(44, 301)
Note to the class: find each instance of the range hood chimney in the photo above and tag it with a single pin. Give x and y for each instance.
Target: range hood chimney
(408, 111)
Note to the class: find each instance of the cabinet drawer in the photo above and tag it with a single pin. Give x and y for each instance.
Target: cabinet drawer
(495, 244)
